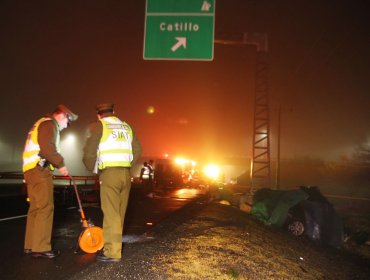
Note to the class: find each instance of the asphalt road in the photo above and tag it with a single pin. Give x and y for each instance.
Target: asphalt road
(142, 214)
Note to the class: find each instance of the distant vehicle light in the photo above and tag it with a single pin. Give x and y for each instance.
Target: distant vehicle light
(181, 161)
(184, 161)
(70, 139)
(212, 171)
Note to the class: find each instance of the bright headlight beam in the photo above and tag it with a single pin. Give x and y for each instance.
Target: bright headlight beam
(212, 171)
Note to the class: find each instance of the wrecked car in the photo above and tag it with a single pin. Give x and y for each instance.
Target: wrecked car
(304, 212)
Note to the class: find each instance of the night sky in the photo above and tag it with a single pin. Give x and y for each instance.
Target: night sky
(81, 53)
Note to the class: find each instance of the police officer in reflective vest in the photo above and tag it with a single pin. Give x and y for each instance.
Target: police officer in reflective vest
(145, 178)
(110, 150)
(40, 156)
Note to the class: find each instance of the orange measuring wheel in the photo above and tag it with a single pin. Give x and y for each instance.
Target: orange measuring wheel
(91, 239)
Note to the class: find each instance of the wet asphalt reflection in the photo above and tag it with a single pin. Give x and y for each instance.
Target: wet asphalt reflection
(143, 213)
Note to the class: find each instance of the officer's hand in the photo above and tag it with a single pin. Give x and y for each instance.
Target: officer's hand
(63, 170)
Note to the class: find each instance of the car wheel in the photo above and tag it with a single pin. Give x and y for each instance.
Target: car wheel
(296, 228)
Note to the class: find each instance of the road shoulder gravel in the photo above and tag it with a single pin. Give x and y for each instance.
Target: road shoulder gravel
(207, 240)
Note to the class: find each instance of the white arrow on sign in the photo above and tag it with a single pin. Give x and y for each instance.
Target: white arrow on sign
(206, 6)
(181, 41)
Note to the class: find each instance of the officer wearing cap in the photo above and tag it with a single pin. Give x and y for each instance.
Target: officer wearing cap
(41, 156)
(110, 150)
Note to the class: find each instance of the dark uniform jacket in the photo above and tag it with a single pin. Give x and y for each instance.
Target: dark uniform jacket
(47, 135)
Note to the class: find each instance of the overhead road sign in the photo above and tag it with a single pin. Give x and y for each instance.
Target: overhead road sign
(179, 29)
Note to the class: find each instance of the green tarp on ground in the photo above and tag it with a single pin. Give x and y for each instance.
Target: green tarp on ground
(272, 206)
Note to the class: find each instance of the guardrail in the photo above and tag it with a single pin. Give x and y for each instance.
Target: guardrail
(63, 185)
(19, 176)
(87, 184)
(347, 197)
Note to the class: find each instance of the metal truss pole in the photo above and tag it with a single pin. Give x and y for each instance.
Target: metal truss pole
(260, 169)
(260, 163)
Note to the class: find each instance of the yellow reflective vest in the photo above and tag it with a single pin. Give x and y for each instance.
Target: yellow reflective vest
(115, 149)
(31, 151)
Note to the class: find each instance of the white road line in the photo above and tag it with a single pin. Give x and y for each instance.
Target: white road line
(12, 218)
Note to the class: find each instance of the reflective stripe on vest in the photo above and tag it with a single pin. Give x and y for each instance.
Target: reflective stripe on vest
(115, 144)
(32, 148)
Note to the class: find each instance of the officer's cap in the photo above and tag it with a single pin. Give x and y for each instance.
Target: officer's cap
(70, 115)
(104, 107)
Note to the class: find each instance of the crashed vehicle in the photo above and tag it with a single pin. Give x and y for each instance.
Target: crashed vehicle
(304, 211)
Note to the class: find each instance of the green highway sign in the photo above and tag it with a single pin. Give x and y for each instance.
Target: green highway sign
(179, 29)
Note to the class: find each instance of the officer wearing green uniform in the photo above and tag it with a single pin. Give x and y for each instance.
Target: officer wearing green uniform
(40, 156)
(110, 150)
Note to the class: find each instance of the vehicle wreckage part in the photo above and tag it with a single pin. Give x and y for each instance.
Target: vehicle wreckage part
(296, 228)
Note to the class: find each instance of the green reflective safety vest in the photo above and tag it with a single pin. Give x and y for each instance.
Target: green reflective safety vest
(31, 151)
(115, 149)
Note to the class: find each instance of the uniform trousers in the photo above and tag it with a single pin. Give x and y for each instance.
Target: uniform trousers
(41, 211)
(115, 185)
